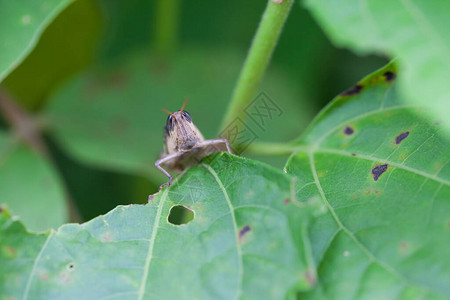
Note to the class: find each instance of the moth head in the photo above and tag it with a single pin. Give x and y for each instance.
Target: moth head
(177, 119)
(180, 131)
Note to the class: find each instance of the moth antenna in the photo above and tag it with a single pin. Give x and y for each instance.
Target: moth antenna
(168, 112)
(184, 104)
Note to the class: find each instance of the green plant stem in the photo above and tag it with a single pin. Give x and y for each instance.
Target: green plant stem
(258, 58)
(166, 31)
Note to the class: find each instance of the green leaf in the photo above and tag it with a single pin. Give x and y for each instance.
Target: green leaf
(414, 31)
(66, 46)
(247, 240)
(21, 25)
(384, 175)
(111, 116)
(30, 186)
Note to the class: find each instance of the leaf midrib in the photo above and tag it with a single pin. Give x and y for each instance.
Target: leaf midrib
(151, 245)
(236, 231)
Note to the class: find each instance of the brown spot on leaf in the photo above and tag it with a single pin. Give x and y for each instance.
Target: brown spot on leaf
(310, 277)
(349, 130)
(354, 90)
(377, 171)
(64, 277)
(1, 209)
(404, 245)
(43, 276)
(390, 76)
(106, 237)
(399, 138)
(243, 231)
(353, 154)
(9, 251)
(286, 201)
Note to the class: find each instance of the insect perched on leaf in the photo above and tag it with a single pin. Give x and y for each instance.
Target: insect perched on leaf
(184, 145)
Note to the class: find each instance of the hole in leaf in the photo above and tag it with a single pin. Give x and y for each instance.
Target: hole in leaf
(180, 214)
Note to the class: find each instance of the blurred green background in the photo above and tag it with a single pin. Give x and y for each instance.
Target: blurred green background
(101, 72)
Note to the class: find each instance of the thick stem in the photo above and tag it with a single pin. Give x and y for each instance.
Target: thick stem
(258, 58)
(22, 123)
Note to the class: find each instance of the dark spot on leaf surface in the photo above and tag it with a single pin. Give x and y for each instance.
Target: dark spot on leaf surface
(354, 90)
(377, 171)
(389, 76)
(71, 266)
(349, 130)
(353, 154)
(243, 231)
(401, 137)
(1, 209)
(286, 201)
(180, 215)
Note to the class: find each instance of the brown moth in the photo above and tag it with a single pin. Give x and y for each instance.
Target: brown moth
(184, 145)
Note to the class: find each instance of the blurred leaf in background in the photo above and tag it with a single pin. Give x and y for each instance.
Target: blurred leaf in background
(30, 185)
(67, 46)
(20, 28)
(414, 31)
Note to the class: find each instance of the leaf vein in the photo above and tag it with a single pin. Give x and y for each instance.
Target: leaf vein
(236, 231)
(151, 245)
(33, 270)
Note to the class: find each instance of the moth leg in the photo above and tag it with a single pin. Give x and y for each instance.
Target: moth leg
(216, 142)
(163, 160)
